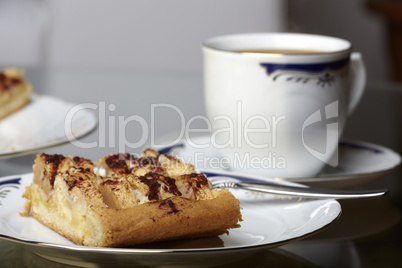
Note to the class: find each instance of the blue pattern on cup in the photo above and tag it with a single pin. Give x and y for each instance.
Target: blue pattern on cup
(310, 68)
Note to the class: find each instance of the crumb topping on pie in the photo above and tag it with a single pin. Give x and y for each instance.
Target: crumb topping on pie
(15, 92)
(8, 82)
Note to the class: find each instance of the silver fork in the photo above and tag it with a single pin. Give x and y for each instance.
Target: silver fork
(316, 193)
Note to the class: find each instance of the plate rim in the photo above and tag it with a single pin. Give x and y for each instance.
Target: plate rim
(109, 250)
(60, 141)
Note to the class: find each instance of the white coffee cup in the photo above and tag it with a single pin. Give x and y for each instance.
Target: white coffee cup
(281, 112)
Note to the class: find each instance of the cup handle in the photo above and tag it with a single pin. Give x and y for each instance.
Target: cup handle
(358, 80)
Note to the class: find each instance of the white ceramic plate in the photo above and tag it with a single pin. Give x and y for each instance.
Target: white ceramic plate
(41, 124)
(359, 163)
(268, 221)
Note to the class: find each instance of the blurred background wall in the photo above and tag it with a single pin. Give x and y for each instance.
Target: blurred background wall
(165, 36)
(150, 35)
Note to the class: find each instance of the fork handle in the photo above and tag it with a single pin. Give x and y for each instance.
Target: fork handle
(307, 192)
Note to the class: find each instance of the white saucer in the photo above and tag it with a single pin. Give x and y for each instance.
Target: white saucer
(359, 163)
(268, 222)
(41, 124)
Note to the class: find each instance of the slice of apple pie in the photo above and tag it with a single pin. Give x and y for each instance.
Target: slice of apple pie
(136, 200)
(15, 92)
